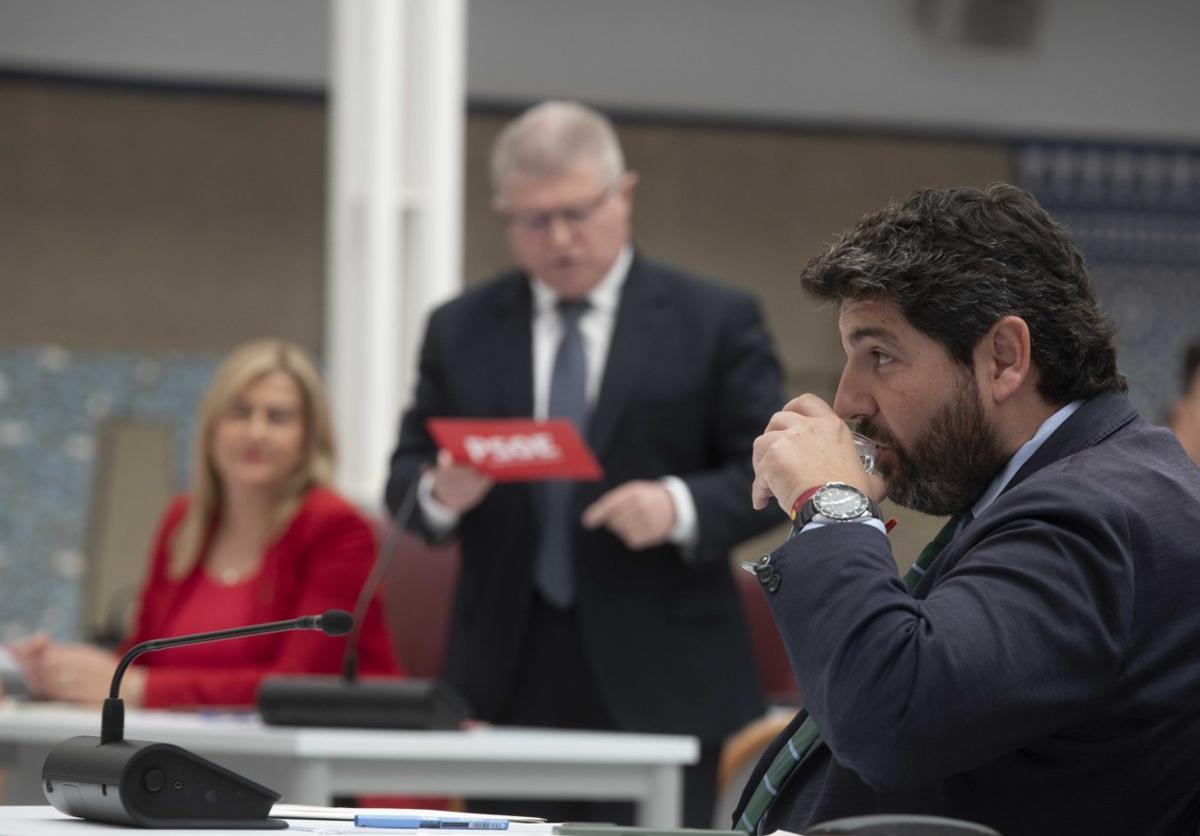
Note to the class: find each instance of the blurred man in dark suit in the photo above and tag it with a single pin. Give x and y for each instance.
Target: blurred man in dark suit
(603, 605)
(1037, 670)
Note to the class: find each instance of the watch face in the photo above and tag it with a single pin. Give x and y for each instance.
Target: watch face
(840, 502)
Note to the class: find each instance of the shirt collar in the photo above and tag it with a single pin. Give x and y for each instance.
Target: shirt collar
(604, 296)
(1023, 455)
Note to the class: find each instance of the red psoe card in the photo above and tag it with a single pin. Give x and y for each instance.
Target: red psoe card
(517, 449)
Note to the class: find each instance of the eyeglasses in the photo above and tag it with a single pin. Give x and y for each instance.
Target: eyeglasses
(573, 216)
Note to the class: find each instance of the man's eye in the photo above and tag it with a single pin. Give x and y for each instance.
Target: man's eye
(533, 221)
(881, 359)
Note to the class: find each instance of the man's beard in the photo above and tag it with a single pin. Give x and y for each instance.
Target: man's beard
(951, 465)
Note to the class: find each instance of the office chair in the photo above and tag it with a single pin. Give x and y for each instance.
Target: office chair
(774, 667)
(418, 595)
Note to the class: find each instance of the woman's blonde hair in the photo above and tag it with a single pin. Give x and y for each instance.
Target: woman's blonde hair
(247, 364)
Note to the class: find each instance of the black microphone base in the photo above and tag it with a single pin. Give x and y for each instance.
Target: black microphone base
(368, 704)
(154, 785)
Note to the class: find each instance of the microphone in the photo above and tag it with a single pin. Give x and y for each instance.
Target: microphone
(133, 782)
(346, 701)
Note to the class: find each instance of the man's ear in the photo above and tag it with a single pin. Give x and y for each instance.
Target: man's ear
(1007, 357)
(626, 185)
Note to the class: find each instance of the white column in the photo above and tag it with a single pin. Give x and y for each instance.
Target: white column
(437, 113)
(396, 109)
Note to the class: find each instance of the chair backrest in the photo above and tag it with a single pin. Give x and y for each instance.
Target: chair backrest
(739, 755)
(774, 667)
(417, 594)
(132, 484)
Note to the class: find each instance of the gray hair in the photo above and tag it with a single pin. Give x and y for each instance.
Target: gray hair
(550, 138)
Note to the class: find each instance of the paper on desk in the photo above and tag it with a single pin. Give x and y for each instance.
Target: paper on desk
(329, 827)
(307, 811)
(11, 679)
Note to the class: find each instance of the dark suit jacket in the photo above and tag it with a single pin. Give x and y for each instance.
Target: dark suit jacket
(690, 380)
(1045, 676)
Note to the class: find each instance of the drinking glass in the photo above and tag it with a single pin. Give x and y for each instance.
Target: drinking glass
(866, 451)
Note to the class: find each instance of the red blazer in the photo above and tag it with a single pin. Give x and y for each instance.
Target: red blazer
(320, 561)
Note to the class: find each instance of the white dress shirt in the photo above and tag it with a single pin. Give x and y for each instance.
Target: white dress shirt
(596, 325)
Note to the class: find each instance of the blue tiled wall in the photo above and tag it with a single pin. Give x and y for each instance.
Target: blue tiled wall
(52, 401)
(1135, 213)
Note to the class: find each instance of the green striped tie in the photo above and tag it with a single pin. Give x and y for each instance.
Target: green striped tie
(807, 738)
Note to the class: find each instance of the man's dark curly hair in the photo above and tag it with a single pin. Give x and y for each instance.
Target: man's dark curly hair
(956, 260)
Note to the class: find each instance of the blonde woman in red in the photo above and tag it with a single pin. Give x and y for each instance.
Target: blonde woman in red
(260, 536)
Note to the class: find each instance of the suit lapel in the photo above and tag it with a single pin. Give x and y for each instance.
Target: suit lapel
(639, 320)
(639, 317)
(512, 356)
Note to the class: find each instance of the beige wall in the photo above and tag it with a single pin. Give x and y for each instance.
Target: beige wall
(153, 220)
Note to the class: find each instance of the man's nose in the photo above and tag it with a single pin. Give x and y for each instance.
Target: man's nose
(559, 231)
(851, 401)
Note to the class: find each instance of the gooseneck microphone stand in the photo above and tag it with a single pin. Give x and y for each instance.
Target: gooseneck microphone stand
(134, 782)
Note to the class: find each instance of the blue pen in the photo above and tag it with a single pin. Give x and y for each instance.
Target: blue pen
(414, 822)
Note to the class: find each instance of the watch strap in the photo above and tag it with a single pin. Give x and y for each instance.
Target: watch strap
(802, 499)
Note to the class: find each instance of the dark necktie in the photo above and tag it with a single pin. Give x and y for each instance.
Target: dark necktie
(807, 737)
(555, 574)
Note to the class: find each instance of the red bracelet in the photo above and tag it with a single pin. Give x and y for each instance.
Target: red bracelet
(801, 499)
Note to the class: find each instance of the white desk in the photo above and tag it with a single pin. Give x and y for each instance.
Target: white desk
(46, 821)
(310, 766)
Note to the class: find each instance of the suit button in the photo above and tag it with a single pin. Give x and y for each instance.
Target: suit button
(768, 576)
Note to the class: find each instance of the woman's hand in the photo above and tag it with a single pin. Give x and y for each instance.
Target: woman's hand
(72, 672)
(28, 653)
(77, 672)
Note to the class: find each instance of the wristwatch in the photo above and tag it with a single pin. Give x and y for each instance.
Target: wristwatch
(836, 502)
